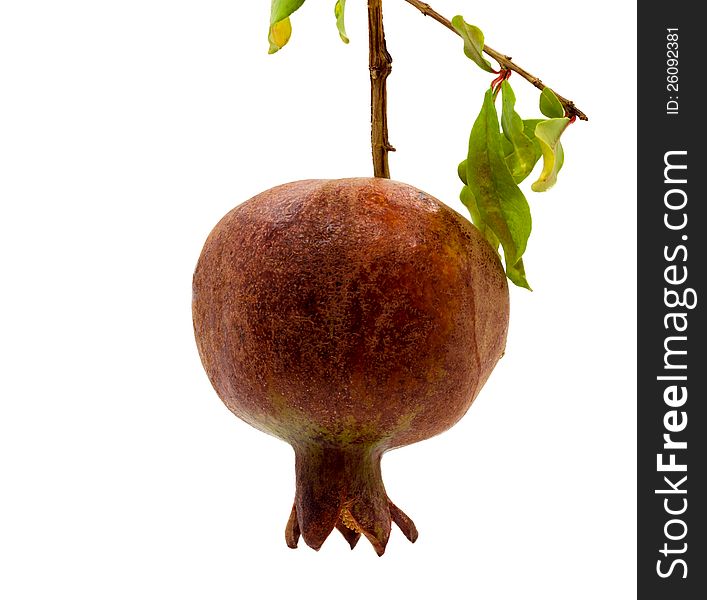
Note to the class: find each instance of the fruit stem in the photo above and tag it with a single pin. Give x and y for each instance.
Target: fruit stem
(380, 65)
(505, 61)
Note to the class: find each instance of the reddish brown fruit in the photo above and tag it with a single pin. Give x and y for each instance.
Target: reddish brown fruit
(348, 317)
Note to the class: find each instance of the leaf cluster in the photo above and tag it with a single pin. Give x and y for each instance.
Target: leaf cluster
(502, 153)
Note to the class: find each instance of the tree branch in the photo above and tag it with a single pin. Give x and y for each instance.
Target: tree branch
(380, 66)
(503, 60)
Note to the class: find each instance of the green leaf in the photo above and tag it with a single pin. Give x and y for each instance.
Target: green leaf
(550, 106)
(507, 147)
(473, 42)
(280, 26)
(339, 14)
(529, 126)
(548, 134)
(461, 171)
(516, 274)
(500, 204)
(469, 201)
(522, 157)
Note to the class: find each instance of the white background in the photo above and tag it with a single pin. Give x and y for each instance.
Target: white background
(127, 129)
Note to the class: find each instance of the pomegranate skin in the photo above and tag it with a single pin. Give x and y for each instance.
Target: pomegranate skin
(347, 317)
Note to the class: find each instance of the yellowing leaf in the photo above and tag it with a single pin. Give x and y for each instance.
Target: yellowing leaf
(548, 134)
(339, 14)
(522, 156)
(529, 126)
(279, 35)
(280, 26)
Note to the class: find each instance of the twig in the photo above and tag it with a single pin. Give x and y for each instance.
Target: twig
(505, 61)
(380, 66)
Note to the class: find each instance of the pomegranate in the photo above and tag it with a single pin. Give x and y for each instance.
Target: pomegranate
(348, 317)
